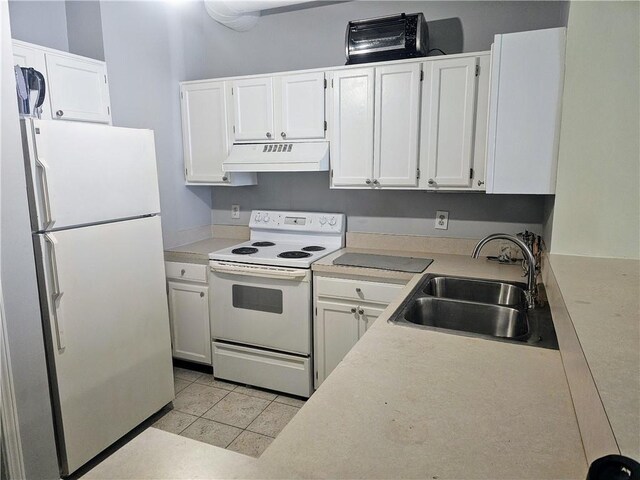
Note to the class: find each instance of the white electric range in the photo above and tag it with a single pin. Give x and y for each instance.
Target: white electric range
(261, 299)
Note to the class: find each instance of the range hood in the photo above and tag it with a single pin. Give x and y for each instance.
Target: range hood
(278, 157)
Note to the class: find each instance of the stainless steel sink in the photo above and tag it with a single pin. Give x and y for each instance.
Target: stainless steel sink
(475, 290)
(475, 307)
(479, 318)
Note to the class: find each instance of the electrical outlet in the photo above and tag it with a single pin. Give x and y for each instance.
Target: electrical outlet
(442, 220)
(235, 211)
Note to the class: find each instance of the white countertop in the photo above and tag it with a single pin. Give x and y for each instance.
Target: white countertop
(198, 252)
(602, 296)
(405, 403)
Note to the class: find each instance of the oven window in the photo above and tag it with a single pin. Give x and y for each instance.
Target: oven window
(256, 298)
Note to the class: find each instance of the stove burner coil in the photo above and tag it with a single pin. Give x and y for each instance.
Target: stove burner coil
(294, 254)
(262, 244)
(313, 248)
(244, 251)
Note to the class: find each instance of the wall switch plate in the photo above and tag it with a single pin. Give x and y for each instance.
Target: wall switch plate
(235, 211)
(442, 220)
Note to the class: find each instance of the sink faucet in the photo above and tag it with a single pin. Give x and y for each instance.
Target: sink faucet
(532, 289)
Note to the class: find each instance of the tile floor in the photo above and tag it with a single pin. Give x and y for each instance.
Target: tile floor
(236, 417)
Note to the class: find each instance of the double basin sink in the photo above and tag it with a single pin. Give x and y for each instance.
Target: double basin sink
(485, 308)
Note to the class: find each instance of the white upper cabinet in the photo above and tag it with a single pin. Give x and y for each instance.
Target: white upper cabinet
(375, 127)
(449, 112)
(253, 109)
(397, 114)
(527, 77)
(279, 108)
(206, 134)
(76, 87)
(482, 114)
(27, 56)
(427, 130)
(300, 106)
(352, 127)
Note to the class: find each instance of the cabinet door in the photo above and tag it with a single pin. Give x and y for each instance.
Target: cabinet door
(204, 131)
(482, 116)
(189, 315)
(527, 81)
(301, 106)
(352, 127)
(337, 329)
(253, 109)
(34, 58)
(448, 114)
(78, 89)
(366, 317)
(397, 109)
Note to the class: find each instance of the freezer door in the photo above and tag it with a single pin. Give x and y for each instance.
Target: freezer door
(107, 331)
(83, 173)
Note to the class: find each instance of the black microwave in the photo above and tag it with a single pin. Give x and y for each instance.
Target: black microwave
(387, 38)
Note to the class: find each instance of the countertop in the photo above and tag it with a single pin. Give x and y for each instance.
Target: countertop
(462, 265)
(404, 403)
(198, 252)
(602, 296)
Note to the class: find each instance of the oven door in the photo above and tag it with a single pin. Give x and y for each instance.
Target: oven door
(263, 306)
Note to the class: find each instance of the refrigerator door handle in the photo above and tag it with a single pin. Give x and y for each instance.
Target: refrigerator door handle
(56, 295)
(44, 185)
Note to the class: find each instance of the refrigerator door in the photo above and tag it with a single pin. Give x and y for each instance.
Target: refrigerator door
(107, 332)
(82, 173)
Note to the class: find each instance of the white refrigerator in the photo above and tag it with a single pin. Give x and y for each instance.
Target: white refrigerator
(93, 192)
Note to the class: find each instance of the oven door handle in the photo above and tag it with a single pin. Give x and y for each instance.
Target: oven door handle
(284, 274)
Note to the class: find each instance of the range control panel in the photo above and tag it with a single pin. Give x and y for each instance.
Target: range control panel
(297, 221)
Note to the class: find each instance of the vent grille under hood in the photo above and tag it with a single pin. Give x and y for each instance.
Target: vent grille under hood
(278, 157)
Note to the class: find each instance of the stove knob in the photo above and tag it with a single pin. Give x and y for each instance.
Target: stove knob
(323, 220)
(258, 217)
(332, 222)
(266, 217)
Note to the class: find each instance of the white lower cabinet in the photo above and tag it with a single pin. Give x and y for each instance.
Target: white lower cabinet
(344, 311)
(189, 313)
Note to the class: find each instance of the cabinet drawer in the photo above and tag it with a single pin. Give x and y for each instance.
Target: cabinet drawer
(357, 290)
(186, 271)
(263, 368)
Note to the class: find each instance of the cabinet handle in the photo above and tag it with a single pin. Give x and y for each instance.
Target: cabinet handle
(268, 134)
(480, 183)
(353, 310)
(59, 113)
(376, 182)
(367, 181)
(358, 290)
(283, 135)
(225, 178)
(182, 272)
(431, 181)
(201, 294)
(360, 311)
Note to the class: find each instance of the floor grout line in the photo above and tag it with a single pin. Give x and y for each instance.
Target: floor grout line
(235, 387)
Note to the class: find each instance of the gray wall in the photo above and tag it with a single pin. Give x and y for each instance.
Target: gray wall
(471, 215)
(19, 288)
(84, 28)
(144, 52)
(310, 38)
(40, 22)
